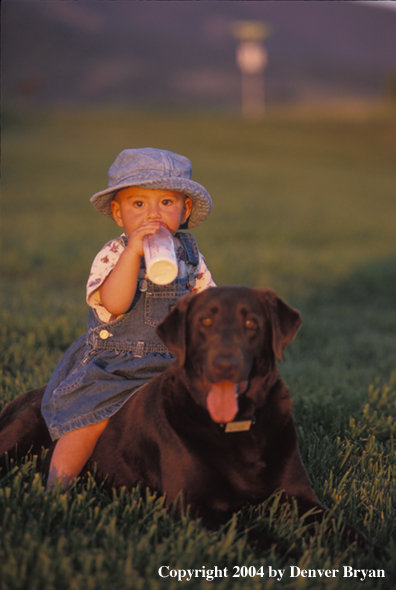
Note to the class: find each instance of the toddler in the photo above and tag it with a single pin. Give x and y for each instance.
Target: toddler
(120, 351)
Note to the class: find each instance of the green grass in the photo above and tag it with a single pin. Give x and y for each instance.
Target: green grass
(302, 203)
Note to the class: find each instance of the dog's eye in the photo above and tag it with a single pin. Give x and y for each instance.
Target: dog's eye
(207, 322)
(250, 324)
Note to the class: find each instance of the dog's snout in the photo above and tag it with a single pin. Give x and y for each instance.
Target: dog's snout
(225, 365)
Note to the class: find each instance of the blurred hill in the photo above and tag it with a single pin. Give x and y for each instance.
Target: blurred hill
(182, 52)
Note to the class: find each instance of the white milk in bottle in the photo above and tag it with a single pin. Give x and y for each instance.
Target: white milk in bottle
(160, 256)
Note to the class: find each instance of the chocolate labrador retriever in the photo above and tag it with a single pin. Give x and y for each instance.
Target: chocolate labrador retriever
(216, 426)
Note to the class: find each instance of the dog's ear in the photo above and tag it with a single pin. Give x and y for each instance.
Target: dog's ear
(172, 329)
(284, 319)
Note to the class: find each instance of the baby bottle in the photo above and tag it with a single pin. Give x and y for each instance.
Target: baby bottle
(160, 256)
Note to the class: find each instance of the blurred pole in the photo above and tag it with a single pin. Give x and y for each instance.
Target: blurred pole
(252, 60)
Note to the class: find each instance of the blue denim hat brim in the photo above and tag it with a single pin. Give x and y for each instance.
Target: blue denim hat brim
(150, 168)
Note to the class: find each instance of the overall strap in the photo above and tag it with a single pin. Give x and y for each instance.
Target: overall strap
(190, 247)
(124, 240)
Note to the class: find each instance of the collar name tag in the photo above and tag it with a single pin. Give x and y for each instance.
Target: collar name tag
(241, 426)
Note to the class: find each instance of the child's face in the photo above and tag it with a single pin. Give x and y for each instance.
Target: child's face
(133, 206)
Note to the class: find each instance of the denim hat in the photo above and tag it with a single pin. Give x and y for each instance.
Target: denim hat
(154, 169)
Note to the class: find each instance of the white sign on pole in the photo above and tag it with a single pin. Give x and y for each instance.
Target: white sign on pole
(251, 57)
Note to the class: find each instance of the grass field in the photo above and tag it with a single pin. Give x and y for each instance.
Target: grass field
(303, 203)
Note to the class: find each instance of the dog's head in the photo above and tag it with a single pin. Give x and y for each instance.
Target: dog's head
(226, 336)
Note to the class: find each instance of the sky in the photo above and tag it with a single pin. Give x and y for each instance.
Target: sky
(387, 4)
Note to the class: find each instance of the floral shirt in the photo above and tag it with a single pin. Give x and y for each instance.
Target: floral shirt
(107, 258)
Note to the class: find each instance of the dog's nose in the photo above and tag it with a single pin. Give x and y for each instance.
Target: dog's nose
(225, 365)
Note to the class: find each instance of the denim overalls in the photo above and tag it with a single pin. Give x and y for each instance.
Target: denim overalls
(107, 364)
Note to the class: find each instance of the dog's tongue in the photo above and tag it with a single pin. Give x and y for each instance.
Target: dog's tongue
(222, 402)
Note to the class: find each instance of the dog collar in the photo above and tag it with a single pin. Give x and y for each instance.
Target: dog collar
(238, 425)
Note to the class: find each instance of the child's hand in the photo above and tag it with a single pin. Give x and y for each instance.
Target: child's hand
(135, 242)
(118, 290)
